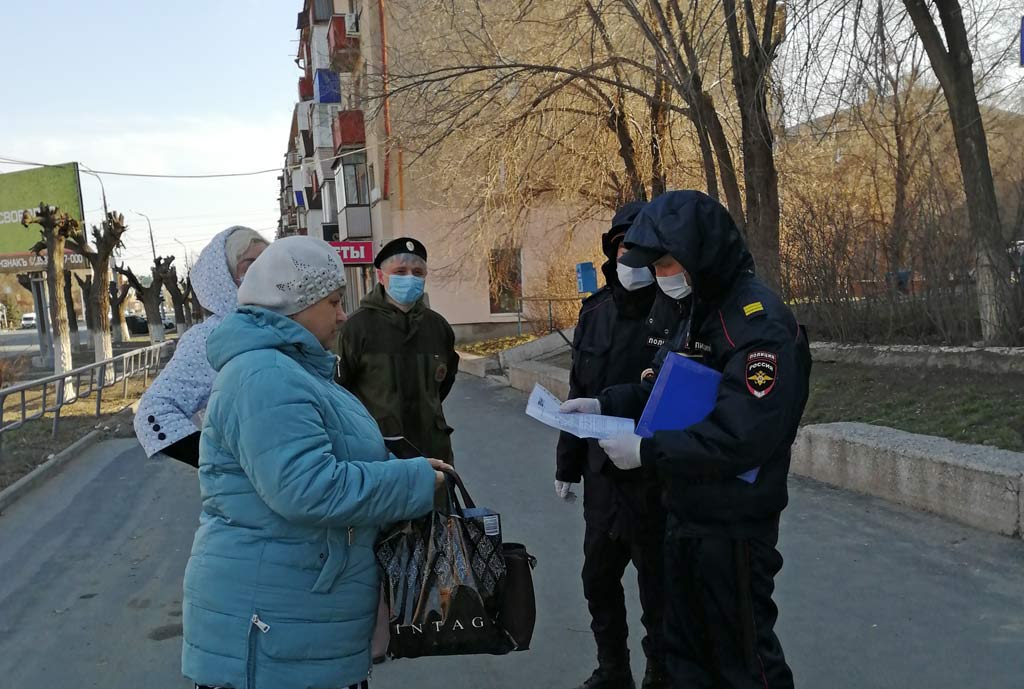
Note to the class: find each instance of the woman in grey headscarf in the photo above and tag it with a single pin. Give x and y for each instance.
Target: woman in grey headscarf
(166, 420)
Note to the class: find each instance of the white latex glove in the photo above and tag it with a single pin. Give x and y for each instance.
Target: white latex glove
(624, 451)
(563, 489)
(581, 405)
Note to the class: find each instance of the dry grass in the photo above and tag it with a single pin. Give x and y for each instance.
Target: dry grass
(26, 447)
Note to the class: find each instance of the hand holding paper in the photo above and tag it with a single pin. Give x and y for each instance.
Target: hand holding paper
(547, 409)
(624, 451)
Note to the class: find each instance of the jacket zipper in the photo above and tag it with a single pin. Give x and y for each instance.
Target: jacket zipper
(250, 665)
(351, 535)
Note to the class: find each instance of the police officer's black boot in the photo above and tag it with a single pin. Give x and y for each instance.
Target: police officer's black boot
(656, 676)
(613, 672)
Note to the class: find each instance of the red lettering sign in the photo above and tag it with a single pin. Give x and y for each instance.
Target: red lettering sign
(355, 253)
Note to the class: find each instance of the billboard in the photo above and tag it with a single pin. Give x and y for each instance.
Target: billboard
(24, 190)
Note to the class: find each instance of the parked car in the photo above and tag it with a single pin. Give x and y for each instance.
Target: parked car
(28, 321)
(137, 325)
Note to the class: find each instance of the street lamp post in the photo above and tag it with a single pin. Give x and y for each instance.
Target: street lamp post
(184, 248)
(151, 242)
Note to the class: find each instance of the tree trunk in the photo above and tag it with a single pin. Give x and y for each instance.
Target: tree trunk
(954, 69)
(100, 298)
(750, 75)
(62, 359)
(85, 288)
(151, 302)
(178, 300)
(726, 170)
(69, 301)
(118, 294)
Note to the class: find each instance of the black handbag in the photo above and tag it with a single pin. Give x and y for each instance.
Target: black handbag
(518, 612)
(445, 576)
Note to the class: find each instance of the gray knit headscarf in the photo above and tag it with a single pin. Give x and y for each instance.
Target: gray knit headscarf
(291, 275)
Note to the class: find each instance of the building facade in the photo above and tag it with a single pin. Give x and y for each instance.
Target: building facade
(342, 182)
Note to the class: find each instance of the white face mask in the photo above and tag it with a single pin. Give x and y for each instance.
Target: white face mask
(633, 279)
(675, 286)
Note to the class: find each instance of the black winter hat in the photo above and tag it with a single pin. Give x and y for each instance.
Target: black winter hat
(402, 245)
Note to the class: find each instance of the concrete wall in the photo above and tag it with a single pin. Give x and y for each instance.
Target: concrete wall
(985, 360)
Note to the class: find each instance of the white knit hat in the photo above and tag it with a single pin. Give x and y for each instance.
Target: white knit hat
(291, 275)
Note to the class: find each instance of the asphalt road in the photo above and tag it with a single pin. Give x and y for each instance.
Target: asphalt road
(871, 595)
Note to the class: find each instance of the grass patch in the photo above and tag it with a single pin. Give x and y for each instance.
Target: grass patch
(962, 405)
(26, 447)
(499, 344)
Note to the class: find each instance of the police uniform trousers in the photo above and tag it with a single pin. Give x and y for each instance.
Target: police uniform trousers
(625, 522)
(720, 617)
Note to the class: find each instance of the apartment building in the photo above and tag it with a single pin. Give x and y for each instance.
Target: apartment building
(342, 182)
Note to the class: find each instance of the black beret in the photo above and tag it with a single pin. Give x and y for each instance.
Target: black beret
(402, 245)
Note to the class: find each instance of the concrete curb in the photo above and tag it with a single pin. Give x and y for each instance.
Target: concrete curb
(525, 375)
(541, 347)
(981, 359)
(973, 484)
(47, 469)
(475, 365)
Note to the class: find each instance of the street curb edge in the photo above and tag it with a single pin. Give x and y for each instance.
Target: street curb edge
(47, 469)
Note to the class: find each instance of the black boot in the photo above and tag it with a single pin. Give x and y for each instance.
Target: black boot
(611, 675)
(656, 677)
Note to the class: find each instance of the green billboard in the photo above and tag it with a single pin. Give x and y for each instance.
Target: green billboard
(55, 185)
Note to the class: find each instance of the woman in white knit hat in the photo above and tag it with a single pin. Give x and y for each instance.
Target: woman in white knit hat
(281, 590)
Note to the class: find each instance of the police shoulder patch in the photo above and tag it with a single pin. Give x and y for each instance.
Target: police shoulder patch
(753, 309)
(762, 371)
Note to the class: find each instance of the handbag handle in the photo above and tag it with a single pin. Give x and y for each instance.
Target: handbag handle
(456, 489)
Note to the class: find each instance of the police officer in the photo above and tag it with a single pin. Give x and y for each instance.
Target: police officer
(616, 339)
(722, 531)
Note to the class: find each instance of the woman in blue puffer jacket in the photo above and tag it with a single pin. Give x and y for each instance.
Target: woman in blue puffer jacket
(281, 590)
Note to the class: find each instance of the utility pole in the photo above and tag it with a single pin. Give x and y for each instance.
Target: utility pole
(151, 242)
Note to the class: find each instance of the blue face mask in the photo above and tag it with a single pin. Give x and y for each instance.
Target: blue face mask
(405, 289)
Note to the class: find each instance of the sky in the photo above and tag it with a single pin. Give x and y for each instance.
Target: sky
(183, 87)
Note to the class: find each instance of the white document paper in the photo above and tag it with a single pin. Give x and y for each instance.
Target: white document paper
(543, 406)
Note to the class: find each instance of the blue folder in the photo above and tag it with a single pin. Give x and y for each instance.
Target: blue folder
(684, 394)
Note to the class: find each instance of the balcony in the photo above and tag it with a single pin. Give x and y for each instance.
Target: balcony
(343, 42)
(354, 223)
(348, 129)
(305, 88)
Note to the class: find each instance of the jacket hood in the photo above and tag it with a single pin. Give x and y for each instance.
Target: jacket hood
(252, 328)
(212, 280)
(698, 232)
(621, 222)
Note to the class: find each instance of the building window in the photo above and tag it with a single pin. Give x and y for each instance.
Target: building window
(356, 180)
(505, 280)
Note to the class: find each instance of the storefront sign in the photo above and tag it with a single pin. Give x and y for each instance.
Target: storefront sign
(355, 253)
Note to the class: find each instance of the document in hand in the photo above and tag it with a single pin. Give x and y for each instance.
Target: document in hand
(684, 394)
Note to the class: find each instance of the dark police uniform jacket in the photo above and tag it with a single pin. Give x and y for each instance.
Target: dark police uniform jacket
(743, 329)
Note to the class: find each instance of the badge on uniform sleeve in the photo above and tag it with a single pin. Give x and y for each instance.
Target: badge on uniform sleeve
(754, 309)
(762, 370)
(441, 373)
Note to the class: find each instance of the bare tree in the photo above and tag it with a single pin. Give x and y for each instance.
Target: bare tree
(952, 60)
(150, 295)
(107, 240)
(55, 227)
(169, 278)
(118, 291)
(69, 301)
